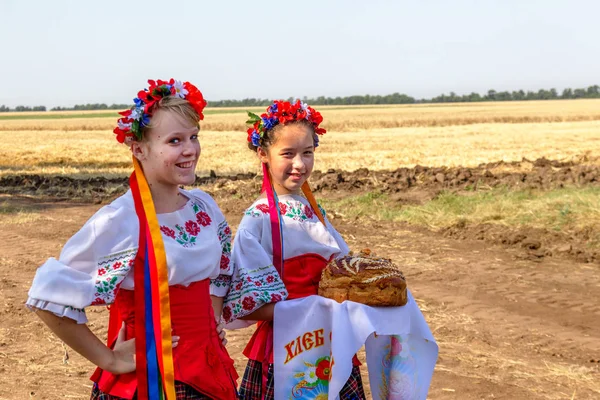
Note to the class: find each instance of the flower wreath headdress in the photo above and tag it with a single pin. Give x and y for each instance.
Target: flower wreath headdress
(138, 116)
(282, 112)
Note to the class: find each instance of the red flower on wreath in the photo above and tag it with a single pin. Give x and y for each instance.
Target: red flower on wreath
(192, 228)
(263, 208)
(226, 313)
(203, 218)
(168, 231)
(248, 303)
(282, 112)
(323, 369)
(139, 115)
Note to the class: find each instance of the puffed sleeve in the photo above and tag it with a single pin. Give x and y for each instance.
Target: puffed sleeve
(220, 284)
(255, 282)
(90, 268)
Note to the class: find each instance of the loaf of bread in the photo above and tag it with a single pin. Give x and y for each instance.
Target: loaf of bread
(364, 279)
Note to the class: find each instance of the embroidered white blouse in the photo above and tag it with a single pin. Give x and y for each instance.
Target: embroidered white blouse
(255, 281)
(98, 259)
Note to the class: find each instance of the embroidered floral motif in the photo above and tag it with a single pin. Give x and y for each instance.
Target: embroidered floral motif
(323, 213)
(275, 297)
(227, 313)
(224, 262)
(264, 208)
(225, 239)
(220, 285)
(283, 208)
(185, 238)
(293, 209)
(192, 228)
(168, 231)
(187, 234)
(251, 289)
(248, 303)
(112, 269)
(296, 210)
(203, 218)
(309, 212)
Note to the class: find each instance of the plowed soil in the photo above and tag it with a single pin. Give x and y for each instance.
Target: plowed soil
(516, 314)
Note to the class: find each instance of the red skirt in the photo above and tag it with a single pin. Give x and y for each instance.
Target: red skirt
(200, 359)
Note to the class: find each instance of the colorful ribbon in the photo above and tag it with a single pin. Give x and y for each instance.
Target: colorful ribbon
(154, 355)
(275, 216)
(276, 223)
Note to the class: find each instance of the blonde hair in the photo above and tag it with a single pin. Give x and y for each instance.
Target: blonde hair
(179, 106)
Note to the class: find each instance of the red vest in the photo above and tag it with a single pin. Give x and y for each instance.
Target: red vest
(200, 360)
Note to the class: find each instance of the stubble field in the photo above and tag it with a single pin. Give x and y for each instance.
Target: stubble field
(492, 210)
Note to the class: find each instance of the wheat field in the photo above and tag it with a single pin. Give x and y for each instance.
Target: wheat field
(376, 137)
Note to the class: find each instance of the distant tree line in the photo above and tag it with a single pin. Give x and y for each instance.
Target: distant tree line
(95, 106)
(591, 92)
(22, 108)
(395, 98)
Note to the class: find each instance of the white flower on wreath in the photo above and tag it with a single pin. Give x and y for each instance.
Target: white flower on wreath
(310, 375)
(137, 113)
(180, 91)
(304, 106)
(124, 126)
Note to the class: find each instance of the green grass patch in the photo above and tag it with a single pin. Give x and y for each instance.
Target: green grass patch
(7, 208)
(566, 209)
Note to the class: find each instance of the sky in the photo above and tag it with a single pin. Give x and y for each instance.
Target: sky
(66, 52)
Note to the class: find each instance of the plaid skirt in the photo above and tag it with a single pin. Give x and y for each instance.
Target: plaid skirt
(183, 392)
(251, 387)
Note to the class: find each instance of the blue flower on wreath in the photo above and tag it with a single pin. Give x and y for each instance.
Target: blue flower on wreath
(255, 139)
(138, 102)
(273, 108)
(269, 123)
(145, 120)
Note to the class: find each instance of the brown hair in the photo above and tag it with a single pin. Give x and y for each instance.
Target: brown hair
(177, 105)
(270, 136)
